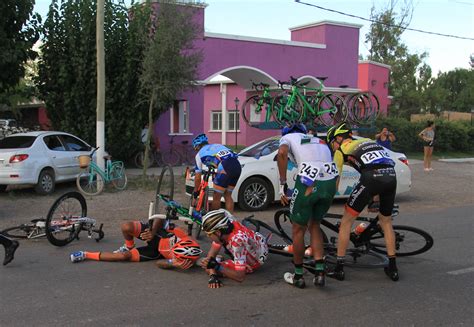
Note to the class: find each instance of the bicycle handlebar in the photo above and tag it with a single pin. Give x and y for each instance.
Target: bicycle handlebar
(93, 151)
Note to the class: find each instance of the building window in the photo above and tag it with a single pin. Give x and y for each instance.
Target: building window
(216, 120)
(233, 120)
(180, 117)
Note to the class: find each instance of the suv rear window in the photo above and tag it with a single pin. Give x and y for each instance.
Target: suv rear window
(17, 142)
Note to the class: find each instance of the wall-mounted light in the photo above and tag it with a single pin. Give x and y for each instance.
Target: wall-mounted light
(373, 82)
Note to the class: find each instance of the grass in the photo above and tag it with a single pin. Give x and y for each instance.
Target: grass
(440, 155)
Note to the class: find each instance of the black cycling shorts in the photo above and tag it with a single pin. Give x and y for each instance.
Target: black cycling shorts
(382, 182)
(150, 251)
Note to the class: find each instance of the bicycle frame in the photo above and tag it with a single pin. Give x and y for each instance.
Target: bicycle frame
(94, 168)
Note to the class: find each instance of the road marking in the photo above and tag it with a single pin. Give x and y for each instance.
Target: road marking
(461, 271)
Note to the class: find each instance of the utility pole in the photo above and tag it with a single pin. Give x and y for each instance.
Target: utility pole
(100, 128)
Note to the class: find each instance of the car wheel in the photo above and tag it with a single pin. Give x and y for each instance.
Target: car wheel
(45, 182)
(255, 194)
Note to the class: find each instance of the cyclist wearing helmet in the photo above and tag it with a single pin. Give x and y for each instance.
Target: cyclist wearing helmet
(377, 177)
(248, 249)
(314, 191)
(227, 167)
(172, 247)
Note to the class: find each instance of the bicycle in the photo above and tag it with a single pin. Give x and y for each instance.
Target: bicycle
(201, 203)
(175, 155)
(255, 104)
(173, 210)
(368, 248)
(363, 107)
(66, 218)
(308, 108)
(92, 179)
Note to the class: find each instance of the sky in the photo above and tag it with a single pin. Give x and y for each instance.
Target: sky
(273, 18)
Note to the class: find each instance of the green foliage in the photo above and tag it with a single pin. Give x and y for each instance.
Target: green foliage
(450, 135)
(67, 78)
(20, 31)
(409, 75)
(452, 91)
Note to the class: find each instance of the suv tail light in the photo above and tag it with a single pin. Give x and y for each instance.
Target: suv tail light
(18, 158)
(404, 160)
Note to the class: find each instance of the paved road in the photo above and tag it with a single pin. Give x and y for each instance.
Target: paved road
(42, 287)
(435, 289)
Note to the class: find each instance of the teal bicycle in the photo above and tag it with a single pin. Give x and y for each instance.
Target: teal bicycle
(92, 179)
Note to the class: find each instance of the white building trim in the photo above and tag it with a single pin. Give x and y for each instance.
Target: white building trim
(374, 63)
(325, 22)
(264, 40)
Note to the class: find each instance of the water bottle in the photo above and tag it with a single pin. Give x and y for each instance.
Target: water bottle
(360, 228)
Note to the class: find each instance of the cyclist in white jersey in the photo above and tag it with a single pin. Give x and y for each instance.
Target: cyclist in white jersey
(314, 191)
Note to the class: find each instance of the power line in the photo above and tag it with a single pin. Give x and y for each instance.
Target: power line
(378, 22)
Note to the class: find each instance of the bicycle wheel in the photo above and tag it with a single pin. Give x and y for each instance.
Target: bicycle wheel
(59, 229)
(284, 113)
(327, 112)
(190, 155)
(408, 241)
(165, 188)
(284, 240)
(171, 157)
(21, 231)
(90, 182)
(140, 159)
(252, 108)
(118, 176)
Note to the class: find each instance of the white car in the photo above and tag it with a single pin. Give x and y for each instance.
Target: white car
(259, 182)
(40, 159)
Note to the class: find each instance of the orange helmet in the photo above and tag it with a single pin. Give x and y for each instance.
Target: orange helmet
(187, 249)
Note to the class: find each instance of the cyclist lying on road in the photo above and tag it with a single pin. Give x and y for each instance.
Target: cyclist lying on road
(172, 247)
(247, 248)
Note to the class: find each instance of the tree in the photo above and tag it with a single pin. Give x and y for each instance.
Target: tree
(20, 31)
(67, 72)
(170, 62)
(452, 91)
(409, 74)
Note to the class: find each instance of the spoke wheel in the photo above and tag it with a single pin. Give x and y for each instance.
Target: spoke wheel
(408, 241)
(118, 176)
(59, 229)
(165, 188)
(90, 183)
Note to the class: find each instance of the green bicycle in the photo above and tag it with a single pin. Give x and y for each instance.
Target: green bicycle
(92, 179)
(255, 104)
(313, 108)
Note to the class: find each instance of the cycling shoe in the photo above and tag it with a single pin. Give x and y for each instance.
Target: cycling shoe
(336, 274)
(392, 273)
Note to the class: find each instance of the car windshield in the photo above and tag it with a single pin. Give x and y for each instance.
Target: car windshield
(262, 148)
(17, 142)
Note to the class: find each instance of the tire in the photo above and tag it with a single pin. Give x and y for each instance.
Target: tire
(165, 187)
(171, 157)
(326, 111)
(46, 182)
(251, 104)
(118, 176)
(21, 231)
(190, 156)
(58, 231)
(255, 194)
(90, 182)
(406, 245)
(140, 159)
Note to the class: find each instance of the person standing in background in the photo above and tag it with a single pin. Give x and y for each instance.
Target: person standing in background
(385, 138)
(428, 135)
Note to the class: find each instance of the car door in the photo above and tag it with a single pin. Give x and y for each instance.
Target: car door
(75, 148)
(60, 158)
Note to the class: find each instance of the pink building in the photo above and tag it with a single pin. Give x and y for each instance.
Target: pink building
(232, 62)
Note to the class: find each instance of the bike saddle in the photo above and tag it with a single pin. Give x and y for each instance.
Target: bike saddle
(322, 78)
(345, 86)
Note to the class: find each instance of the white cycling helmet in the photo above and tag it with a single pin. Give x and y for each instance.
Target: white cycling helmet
(216, 220)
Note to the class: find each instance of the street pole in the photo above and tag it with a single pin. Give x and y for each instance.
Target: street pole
(100, 127)
(236, 101)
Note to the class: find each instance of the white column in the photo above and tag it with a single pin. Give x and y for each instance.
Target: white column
(224, 112)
